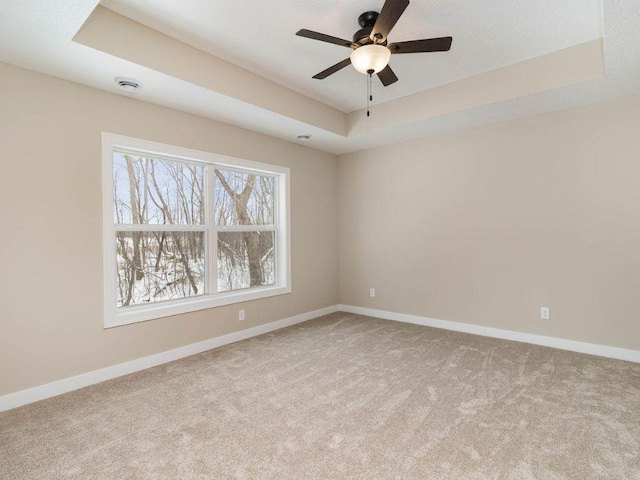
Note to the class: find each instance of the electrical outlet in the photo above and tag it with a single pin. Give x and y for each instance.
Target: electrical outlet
(372, 292)
(241, 315)
(544, 313)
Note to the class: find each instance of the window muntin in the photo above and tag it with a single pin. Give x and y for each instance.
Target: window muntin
(187, 230)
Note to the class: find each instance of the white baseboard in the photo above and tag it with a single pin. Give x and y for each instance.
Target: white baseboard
(59, 387)
(560, 343)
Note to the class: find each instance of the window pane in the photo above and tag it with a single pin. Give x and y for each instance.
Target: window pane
(243, 198)
(245, 259)
(157, 192)
(157, 266)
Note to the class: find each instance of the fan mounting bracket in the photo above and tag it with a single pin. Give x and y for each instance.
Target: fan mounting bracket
(367, 19)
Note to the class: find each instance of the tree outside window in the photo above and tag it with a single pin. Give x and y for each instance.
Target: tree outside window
(188, 229)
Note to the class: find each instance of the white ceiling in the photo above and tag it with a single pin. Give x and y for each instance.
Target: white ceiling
(260, 36)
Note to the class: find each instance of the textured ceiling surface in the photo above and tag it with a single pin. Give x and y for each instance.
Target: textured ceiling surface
(260, 36)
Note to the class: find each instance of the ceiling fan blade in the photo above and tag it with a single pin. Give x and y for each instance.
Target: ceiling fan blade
(389, 15)
(442, 44)
(325, 38)
(331, 70)
(387, 77)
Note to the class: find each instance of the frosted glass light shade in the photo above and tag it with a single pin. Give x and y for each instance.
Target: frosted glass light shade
(370, 57)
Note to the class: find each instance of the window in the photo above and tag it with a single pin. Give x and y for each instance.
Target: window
(187, 230)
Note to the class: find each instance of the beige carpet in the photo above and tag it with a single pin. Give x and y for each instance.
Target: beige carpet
(342, 397)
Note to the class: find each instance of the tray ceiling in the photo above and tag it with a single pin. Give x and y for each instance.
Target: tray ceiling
(260, 36)
(241, 63)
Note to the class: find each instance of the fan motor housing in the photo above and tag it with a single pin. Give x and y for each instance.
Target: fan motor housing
(363, 36)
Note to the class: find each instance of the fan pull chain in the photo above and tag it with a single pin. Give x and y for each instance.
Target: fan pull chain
(369, 92)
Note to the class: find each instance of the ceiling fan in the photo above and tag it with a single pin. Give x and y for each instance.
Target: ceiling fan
(371, 53)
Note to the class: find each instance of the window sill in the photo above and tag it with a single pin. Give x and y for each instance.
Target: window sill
(143, 313)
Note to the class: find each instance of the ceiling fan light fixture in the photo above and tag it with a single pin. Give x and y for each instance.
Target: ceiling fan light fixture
(370, 57)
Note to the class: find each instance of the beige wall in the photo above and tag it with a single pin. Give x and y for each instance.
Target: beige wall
(483, 227)
(50, 211)
(488, 225)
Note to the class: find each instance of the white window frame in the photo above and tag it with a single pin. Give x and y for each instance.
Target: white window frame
(114, 316)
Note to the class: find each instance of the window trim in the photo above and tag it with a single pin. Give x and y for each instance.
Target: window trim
(140, 313)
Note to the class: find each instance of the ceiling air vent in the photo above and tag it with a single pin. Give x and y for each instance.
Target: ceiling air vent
(128, 85)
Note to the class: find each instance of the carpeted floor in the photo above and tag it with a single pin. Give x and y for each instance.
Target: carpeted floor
(342, 397)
